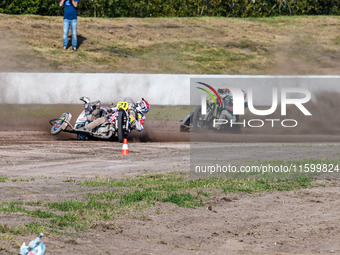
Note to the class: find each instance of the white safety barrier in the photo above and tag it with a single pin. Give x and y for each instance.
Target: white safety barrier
(159, 89)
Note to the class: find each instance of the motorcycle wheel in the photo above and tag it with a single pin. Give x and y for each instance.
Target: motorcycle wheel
(121, 123)
(60, 123)
(197, 123)
(236, 128)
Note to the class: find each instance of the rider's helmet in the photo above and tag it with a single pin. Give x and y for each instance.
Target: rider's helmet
(224, 92)
(143, 106)
(86, 100)
(96, 104)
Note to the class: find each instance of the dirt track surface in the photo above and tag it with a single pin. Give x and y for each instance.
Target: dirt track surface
(36, 154)
(302, 222)
(294, 222)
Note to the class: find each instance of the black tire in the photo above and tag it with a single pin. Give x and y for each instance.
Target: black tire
(195, 119)
(121, 124)
(236, 128)
(197, 123)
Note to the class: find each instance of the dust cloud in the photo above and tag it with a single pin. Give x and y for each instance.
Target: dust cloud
(322, 126)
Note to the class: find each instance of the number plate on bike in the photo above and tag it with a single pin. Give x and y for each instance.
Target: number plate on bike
(123, 105)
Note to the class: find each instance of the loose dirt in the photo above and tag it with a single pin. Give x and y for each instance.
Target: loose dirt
(292, 222)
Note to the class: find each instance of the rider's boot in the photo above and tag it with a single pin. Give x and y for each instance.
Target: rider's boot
(139, 126)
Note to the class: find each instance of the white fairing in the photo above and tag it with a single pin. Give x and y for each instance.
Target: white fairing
(81, 118)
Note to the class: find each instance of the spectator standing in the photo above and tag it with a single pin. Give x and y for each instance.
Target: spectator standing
(70, 20)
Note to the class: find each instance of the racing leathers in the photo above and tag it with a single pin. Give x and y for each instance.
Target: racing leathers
(95, 114)
(142, 108)
(137, 113)
(140, 121)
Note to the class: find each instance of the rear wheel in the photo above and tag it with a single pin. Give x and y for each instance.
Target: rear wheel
(121, 124)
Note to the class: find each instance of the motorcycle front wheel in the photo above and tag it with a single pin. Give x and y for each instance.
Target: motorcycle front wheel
(121, 124)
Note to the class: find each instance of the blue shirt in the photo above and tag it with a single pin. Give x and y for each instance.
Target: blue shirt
(69, 11)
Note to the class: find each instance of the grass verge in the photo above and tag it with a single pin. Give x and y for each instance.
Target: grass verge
(213, 45)
(128, 196)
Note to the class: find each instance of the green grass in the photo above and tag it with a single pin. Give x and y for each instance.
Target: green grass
(211, 45)
(176, 182)
(4, 179)
(336, 40)
(23, 179)
(14, 111)
(168, 112)
(123, 197)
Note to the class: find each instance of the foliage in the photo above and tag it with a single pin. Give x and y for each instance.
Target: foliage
(177, 8)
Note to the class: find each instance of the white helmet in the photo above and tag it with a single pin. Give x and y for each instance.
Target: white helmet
(86, 100)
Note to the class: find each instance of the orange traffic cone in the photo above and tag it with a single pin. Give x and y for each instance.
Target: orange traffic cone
(125, 149)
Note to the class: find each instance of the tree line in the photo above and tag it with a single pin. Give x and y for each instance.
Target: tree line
(176, 8)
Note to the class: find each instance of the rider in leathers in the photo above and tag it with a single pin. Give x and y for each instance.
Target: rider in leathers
(137, 113)
(95, 113)
(228, 101)
(142, 108)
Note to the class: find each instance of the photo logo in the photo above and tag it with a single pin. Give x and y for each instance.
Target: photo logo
(203, 99)
(233, 101)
